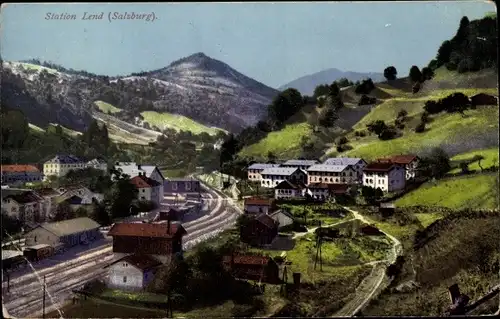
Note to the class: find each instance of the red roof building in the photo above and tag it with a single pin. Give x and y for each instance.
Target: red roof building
(255, 205)
(252, 267)
(147, 238)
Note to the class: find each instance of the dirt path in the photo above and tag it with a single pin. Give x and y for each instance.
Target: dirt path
(372, 283)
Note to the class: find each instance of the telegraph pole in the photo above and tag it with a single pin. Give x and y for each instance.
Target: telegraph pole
(43, 299)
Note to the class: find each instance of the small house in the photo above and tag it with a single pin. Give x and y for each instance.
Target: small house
(133, 169)
(289, 190)
(387, 176)
(132, 272)
(255, 205)
(171, 214)
(409, 162)
(69, 232)
(252, 267)
(283, 218)
(260, 231)
(12, 259)
(148, 189)
(25, 205)
(20, 174)
(38, 252)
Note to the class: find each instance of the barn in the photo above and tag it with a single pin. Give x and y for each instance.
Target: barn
(69, 232)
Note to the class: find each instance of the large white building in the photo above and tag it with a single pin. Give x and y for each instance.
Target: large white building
(60, 165)
(133, 169)
(332, 174)
(409, 162)
(272, 176)
(387, 176)
(254, 171)
(356, 163)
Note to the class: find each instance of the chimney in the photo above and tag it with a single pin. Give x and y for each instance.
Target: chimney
(139, 166)
(168, 225)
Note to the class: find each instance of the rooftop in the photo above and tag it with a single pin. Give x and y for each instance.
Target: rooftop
(142, 181)
(282, 171)
(133, 169)
(379, 167)
(96, 161)
(65, 159)
(286, 184)
(266, 220)
(146, 230)
(259, 201)
(19, 169)
(281, 211)
(295, 162)
(47, 192)
(260, 166)
(400, 159)
(24, 197)
(71, 226)
(342, 161)
(327, 168)
(6, 254)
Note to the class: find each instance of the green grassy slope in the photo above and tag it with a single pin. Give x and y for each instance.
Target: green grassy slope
(461, 250)
(106, 107)
(475, 191)
(177, 122)
(444, 129)
(490, 159)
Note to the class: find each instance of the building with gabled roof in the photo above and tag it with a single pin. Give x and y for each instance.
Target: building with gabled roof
(387, 176)
(20, 174)
(256, 205)
(356, 163)
(160, 240)
(133, 169)
(24, 205)
(289, 190)
(272, 176)
(283, 217)
(61, 164)
(254, 171)
(68, 233)
(260, 231)
(252, 267)
(332, 174)
(98, 163)
(132, 272)
(409, 162)
(148, 189)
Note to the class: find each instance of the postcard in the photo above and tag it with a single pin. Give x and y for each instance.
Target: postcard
(288, 159)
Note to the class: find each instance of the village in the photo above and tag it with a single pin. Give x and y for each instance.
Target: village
(141, 243)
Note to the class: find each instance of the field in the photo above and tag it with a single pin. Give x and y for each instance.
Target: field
(457, 133)
(35, 67)
(284, 142)
(476, 191)
(177, 122)
(107, 108)
(490, 159)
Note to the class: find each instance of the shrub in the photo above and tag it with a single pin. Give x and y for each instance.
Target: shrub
(424, 118)
(343, 140)
(388, 134)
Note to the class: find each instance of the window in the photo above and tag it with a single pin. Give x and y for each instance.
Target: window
(174, 186)
(188, 186)
(35, 239)
(143, 190)
(124, 278)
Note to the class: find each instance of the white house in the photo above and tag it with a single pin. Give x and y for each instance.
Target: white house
(25, 205)
(283, 218)
(302, 164)
(254, 205)
(254, 171)
(288, 190)
(132, 272)
(409, 162)
(133, 170)
(332, 174)
(272, 176)
(20, 174)
(356, 163)
(148, 188)
(387, 176)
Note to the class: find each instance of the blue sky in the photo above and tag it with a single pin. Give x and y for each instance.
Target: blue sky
(272, 43)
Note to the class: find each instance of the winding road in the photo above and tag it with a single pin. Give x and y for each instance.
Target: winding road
(24, 298)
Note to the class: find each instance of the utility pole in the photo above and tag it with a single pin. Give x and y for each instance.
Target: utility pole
(43, 299)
